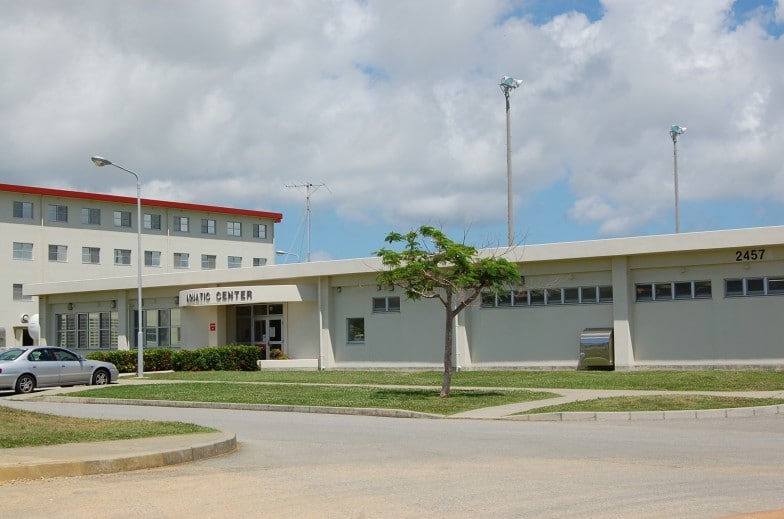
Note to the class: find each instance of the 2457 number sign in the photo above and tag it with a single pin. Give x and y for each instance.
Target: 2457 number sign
(749, 254)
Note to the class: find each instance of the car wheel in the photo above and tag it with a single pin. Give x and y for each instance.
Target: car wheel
(25, 384)
(100, 377)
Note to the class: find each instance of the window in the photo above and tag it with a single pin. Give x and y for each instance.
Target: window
(207, 226)
(181, 260)
(122, 218)
(355, 329)
(235, 262)
(91, 216)
(208, 261)
(671, 291)
(767, 286)
(58, 213)
(91, 255)
(526, 297)
(152, 221)
(234, 228)
(19, 295)
(386, 304)
(259, 262)
(58, 253)
(152, 258)
(122, 256)
(260, 231)
(160, 327)
(23, 210)
(181, 223)
(23, 251)
(95, 330)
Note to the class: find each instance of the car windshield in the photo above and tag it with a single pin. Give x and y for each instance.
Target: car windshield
(11, 354)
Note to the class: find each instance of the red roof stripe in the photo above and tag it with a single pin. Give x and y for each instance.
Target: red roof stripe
(64, 193)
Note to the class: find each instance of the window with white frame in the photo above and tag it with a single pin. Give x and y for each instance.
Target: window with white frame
(122, 218)
(386, 304)
(207, 226)
(160, 327)
(57, 213)
(18, 294)
(58, 253)
(23, 210)
(152, 258)
(181, 223)
(355, 330)
(260, 231)
(235, 262)
(122, 256)
(91, 216)
(234, 228)
(208, 261)
(181, 260)
(521, 296)
(672, 290)
(94, 330)
(757, 286)
(23, 251)
(152, 221)
(91, 255)
(259, 262)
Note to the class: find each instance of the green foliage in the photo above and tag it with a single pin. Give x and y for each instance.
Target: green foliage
(222, 358)
(125, 360)
(431, 265)
(230, 358)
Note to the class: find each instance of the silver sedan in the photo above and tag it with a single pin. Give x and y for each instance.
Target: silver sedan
(25, 368)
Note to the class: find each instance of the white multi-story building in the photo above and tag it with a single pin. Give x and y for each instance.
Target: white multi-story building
(54, 235)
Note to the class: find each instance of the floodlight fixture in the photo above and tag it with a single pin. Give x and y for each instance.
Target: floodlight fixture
(676, 131)
(509, 83)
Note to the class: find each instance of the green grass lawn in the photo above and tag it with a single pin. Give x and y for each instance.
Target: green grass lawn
(20, 428)
(390, 397)
(656, 403)
(713, 380)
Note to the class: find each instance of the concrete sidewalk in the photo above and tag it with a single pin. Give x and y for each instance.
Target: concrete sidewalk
(124, 455)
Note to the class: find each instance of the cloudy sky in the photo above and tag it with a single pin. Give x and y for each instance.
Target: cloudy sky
(391, 109)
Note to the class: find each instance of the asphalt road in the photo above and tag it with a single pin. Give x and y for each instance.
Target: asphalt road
(309, 465)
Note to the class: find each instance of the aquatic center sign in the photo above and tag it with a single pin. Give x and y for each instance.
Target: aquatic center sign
(246, 295)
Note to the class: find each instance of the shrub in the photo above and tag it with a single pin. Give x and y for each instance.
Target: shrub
(125, 360)
(220, 358)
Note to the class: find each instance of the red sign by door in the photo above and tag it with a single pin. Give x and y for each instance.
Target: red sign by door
(212, 327)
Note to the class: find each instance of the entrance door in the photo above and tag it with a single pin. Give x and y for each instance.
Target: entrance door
(268, 334)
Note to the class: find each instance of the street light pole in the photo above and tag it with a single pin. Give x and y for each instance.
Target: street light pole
(100, 161)
(675, 132)
(508, 84)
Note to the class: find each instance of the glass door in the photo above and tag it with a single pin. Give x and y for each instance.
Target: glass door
(268, 335)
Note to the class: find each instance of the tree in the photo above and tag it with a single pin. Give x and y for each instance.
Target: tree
(432, 266)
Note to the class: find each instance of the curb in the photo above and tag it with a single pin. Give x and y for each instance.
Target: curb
(82, 459)
(703, 414)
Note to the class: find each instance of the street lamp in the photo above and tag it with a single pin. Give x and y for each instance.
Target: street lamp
(100, 161)
(286, 253)
(675, 132)
(508, 84)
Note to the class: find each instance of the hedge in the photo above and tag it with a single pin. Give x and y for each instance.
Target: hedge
(221, 358)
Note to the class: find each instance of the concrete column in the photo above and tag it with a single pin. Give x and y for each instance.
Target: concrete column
(326, 352)
(622, 301)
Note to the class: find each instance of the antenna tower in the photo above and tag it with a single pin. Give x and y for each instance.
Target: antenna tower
(310, 188)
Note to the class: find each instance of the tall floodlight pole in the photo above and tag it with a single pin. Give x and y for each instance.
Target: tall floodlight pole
(508, 84)
(100, 161)
(675, 132)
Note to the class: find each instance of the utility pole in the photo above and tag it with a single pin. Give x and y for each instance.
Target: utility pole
(310, 188)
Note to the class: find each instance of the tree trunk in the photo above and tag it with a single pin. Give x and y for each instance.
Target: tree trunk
(448, 332)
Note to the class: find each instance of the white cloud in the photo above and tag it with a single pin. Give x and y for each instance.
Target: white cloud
(394, 105)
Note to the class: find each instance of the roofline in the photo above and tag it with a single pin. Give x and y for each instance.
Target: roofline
(81, 195)
(567, 251)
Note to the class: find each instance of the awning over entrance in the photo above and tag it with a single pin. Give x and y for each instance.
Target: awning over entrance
(247, 295)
